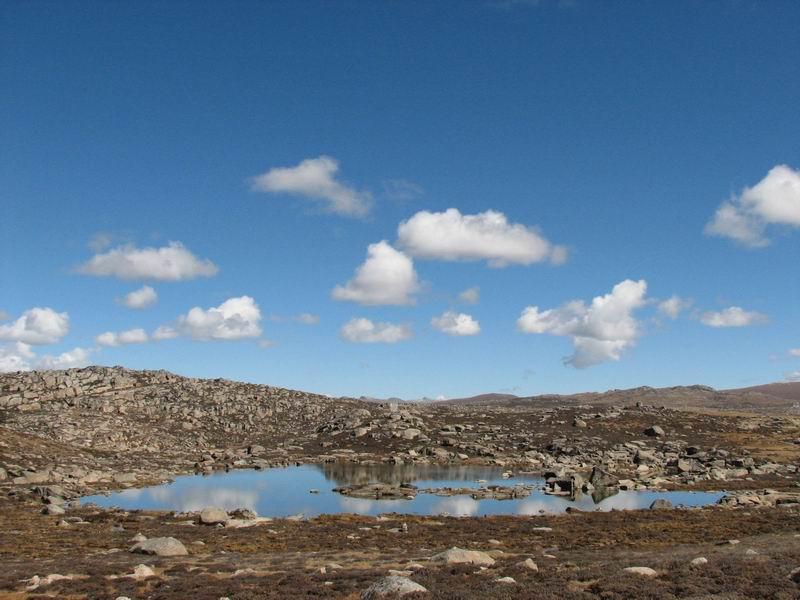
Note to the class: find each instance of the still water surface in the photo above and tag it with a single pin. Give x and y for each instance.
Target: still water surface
(284, 492)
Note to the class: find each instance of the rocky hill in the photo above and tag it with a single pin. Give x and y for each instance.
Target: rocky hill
(773, 398)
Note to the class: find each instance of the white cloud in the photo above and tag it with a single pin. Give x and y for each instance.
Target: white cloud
(37, 326)
(489, 236)
(20, 357)
(172, 262)
(15, 357)
(316, 178)
(673, 306)
(234, 319)
(792, 376)
(732, 316)
(164, 332)
(470, 295)
(77, 357)
(306, 319)
(794, 352)
(142, 298)
(386, 277)
(365, 331)
(601, 331)
(453, 323)
(775, 200)
(123, 338)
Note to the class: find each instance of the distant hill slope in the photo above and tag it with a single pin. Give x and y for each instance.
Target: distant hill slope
(787, 390)
(775, 397)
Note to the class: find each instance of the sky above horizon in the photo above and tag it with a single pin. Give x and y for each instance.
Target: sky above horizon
(404, 199)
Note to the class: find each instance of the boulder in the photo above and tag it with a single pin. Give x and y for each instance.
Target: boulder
(459, 556)
(212, 515)
(602, 479)
(660, 504)
(654, 431)
(529, 565)
(391, 586)
(163, 546)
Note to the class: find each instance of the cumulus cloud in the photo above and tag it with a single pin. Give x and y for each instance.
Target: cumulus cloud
(37, 326)
(489, 236)
(15, 357)
(733, 316)
(386, 277)
(77, 357)
(142, 298)
(122, 338)
(364, 331)
(172, 262)
(470, 295)
(315, 178)
(673, 306)
(599, 332)
(775, 200)
(234, 319)
(453, 323)
(20, 357)
(164, 332)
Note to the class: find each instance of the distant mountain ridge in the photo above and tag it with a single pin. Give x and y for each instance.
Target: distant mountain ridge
(778, 397)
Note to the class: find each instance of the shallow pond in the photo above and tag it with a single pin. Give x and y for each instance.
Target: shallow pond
(286, 491)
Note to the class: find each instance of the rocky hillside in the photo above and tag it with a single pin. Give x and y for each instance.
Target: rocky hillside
(119, 410)
(775, 398)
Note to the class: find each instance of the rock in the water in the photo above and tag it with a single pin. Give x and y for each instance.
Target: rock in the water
(391, 586)
(213, 516)
(660, 504)
(643, 571)
(163, 546)
(602, 479)
(458, 556)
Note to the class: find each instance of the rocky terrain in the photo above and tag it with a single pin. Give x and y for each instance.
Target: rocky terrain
(65, 434)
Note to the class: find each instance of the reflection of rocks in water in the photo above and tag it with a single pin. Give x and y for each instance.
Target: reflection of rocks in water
(491, 492)
(350, 474)
(600, 494)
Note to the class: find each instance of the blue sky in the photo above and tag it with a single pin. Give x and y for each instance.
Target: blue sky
(630, 152)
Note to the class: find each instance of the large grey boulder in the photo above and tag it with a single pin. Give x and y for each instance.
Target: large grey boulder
(212, 516)
(661, 504)
(163, 546)
(459, 556)
(391, 586)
